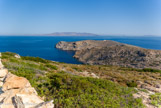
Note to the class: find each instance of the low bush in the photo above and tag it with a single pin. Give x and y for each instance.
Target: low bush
(132, 84)
(73, 91)
(51, 66)
(36, 59)
(156, 99)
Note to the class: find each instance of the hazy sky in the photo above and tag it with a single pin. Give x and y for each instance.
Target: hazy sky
(127, 17)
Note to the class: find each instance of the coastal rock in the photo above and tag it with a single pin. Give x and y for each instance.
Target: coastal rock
(3, 73)
(28, 101)
(29, 91)
(17, 56)
(18, 102)
(14, 82)
(48, 104)
(6, 98)
(1, 65)
(1, 84)
(113, 53)
(14, 98)
(88, 74)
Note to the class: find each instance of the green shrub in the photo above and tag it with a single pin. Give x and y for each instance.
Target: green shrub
(141, 70)
(156, 99)
(36, 59)
(132, 84)
(51, 66)
(151, 70)
(73, 91)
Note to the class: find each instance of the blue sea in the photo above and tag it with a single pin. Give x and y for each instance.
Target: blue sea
(44, 46)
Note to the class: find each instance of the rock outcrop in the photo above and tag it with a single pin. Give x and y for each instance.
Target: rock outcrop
(113, 53)
(145, 91)
(17, 56)
(16, 92)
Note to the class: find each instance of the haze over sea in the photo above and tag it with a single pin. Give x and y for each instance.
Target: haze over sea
(44, 46)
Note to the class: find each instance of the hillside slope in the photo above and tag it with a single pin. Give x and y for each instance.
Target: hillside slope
(68, 89)
(80, 86)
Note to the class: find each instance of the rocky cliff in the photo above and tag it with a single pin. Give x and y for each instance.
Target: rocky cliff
(16, 92)
(113, 53)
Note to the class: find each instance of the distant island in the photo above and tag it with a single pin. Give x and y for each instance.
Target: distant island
(70, 34)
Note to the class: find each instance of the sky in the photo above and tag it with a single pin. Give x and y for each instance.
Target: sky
(112, 17)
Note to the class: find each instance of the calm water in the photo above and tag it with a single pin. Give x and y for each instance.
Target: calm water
(44, 47)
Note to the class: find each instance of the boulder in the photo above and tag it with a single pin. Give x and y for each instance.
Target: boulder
(11, 98)
(6, 98)
(17, 56)
(18, 102)
(1, 84)
(3, 73)
(2, 79)
(14, 82)
(28, 101)
(1, 65)
(29, 91)
(48, 104)
(22, 98)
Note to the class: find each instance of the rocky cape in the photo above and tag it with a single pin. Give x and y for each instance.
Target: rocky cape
(113, 53)
(16, 92)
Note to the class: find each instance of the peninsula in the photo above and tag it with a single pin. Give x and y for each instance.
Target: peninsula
(113, 53)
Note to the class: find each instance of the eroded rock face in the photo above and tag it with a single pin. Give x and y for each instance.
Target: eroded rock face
(16, 92)
(113, 53)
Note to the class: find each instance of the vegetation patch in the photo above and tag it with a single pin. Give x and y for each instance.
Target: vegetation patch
(36, 59)
(132, 84)
(156, 99)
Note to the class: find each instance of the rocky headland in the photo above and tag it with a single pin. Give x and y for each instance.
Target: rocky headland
(113, 53)
(16, 92)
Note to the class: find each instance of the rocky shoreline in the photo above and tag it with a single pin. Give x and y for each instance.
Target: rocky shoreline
(16, 92)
